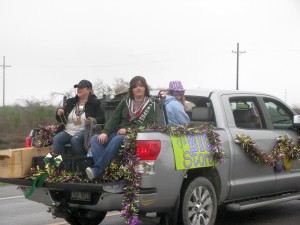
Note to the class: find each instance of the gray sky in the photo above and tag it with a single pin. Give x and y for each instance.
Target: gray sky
(51, 45)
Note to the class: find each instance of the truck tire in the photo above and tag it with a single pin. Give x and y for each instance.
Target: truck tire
(84, 217)
(198, 203)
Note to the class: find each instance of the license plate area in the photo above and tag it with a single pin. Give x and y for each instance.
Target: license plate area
(73, 197)
(80, 196)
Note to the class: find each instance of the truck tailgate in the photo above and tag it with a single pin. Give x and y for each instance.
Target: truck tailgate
(99, 187)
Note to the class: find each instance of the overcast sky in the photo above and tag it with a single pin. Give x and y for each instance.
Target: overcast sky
(51, 45)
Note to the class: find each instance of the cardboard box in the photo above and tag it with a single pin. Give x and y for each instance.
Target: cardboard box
(16, 163)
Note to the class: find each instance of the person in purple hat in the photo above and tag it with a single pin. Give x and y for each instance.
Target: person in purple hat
(175, 104)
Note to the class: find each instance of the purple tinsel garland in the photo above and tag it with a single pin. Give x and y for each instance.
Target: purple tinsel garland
(45, 135)
(283, 147)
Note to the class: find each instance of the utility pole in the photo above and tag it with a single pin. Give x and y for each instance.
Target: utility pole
(4, 66)
(238, 52)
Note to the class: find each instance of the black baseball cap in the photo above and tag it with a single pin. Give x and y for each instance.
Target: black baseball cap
(83, 84)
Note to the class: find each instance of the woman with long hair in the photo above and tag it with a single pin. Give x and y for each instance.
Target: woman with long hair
(138, 109)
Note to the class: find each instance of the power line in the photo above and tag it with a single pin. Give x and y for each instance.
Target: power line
(4, 67)
(238, 52)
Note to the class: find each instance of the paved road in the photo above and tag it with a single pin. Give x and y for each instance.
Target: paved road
(277, 214)
(14, 209)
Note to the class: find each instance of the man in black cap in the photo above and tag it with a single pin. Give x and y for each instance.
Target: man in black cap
(77, 117)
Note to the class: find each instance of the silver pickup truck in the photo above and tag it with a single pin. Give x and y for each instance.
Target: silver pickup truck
(193, 196)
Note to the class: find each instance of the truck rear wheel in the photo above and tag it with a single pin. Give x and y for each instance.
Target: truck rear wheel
(198, 203)
(84, 217)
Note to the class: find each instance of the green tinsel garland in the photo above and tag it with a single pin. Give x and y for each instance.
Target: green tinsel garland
(284, 147)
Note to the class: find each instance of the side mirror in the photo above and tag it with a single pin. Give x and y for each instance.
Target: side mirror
(296, 121)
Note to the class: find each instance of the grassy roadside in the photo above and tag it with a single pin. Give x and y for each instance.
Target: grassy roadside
(10, 140)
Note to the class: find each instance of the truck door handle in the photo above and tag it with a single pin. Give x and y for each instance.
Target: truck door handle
(237, 141)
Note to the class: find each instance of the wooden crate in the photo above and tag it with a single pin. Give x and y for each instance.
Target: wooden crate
(16, 163)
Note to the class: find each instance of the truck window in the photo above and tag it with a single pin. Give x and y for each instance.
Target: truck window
(280, 115)
(246, 114)
(200, 110)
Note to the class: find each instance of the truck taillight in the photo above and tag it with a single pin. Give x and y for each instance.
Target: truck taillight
(147, 150)
(28, 141)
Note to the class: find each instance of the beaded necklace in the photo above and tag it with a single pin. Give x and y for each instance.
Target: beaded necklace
(136, 106)
(62, 116)
(135, 109)
(79, 109)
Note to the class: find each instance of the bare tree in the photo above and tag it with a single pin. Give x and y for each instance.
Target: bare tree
(64, 95)
(101, 89)
(34, 102)
(297, 109)
(120, 86)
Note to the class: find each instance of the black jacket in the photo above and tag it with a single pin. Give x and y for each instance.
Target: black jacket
(93, 108)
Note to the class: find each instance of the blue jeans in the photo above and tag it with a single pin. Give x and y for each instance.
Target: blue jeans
(76, 141)
(105, 154)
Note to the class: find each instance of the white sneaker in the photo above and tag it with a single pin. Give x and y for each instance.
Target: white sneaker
(90, 173)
